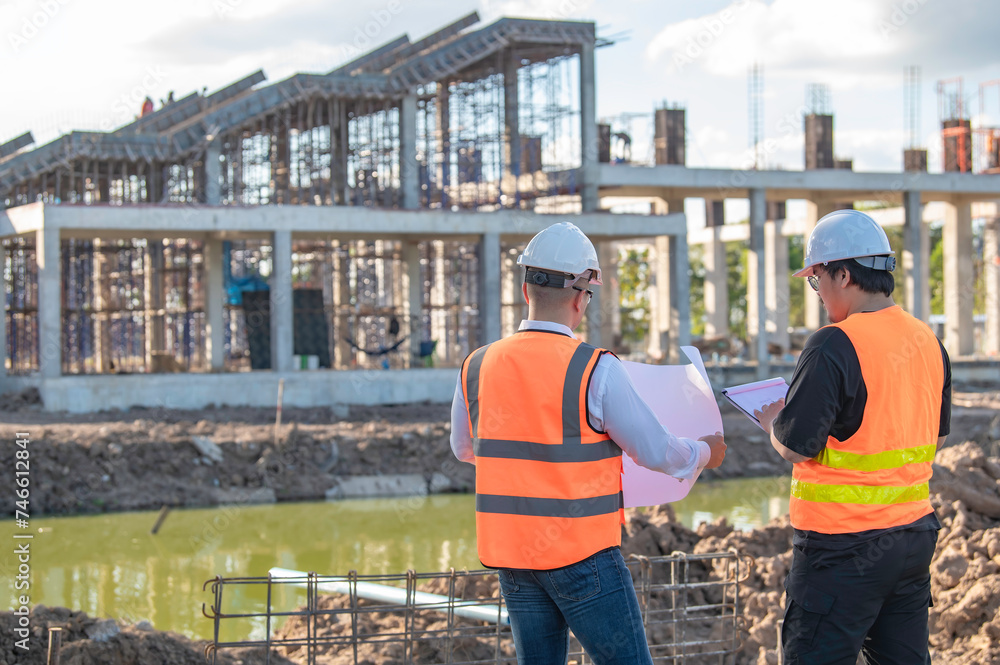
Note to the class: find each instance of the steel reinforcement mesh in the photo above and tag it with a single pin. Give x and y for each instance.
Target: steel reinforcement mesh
(689, 604)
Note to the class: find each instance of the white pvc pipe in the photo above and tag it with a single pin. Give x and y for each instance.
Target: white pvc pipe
(469, 609)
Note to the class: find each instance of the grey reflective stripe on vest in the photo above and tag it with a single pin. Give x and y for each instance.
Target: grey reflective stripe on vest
(572, 386)
(536, 507)
(545, 452)
(472, 388)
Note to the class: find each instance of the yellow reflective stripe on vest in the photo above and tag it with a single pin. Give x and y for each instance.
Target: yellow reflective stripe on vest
(888, 459)
(858, 493)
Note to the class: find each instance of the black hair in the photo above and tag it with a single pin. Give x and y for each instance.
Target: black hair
(868, 280)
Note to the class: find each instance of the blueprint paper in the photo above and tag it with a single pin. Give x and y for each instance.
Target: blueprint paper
(681, 397)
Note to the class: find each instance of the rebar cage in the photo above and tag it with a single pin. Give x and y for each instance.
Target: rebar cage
(689, 603)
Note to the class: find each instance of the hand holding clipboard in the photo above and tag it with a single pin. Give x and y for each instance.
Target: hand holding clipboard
(751, 397)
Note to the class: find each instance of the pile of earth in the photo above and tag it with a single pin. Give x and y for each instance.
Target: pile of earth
(965, 572)
(143, 459)
(90, 641)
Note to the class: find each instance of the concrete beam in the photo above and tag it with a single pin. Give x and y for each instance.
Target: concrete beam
(409, 174)
(81, 394)
(338, 221)
(22, 219)
(837, 184)
(959, 285)
(916, 257)
(489, 288)
(47, 259)
(282, 315)
(215, 300)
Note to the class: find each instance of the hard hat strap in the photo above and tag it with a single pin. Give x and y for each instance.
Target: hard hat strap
(877, 262)
(543, 278)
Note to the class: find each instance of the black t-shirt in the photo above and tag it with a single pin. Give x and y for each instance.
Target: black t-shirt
(827, 398)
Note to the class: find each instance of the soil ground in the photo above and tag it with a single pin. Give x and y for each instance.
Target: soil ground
(147, 458)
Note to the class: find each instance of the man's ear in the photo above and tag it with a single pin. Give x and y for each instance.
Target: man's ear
(847, 277)
(524, 292)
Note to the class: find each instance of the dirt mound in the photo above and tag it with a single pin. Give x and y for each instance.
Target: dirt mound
(965, 573)
(393, 638)
(90, 641)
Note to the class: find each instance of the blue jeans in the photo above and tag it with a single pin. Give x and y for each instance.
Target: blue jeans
(594, 597)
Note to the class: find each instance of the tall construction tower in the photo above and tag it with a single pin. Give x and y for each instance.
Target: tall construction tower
(818, 128)
(914, 157)
(669, 135)
(956, 128)
(988, 137)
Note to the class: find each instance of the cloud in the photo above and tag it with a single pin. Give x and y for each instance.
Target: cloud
(346, 28)
(844, 42)
(787, 35)
(568, 10)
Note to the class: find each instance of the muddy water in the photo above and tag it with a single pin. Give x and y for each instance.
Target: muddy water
(111, 566)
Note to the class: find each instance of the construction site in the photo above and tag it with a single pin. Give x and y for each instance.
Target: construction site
(341, 241)
(338, 221)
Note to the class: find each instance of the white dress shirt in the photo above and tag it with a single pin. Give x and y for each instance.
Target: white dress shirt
(616, 408)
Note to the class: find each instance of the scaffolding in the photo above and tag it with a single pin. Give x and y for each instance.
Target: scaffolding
(690, 608)
(466, 118)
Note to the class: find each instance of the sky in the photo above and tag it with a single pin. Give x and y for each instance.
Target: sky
(87, 64)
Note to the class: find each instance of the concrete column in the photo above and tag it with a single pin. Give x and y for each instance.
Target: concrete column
(213, 173)
(3, 320)
(670, 316)
(153, 296)
(215, 300)
(604, 311)
(443, 119)
(489, 288)
(716, 286)
(959, 285)
(680, 292)
(409, 174)
(512, 131)
(47, 256)
(916, 257)
(756, 283)
(341, 289)
(776, 284)
(414, 285)
(282, 311)
(991, 264)
(815, 314)
(588, 130)
(102, 336)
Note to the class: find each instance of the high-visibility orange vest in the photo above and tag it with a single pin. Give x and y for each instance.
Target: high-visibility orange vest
(878, 478)
(548, 486)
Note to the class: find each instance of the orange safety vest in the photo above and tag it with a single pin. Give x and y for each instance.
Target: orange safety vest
(548, 485)
(878, 478)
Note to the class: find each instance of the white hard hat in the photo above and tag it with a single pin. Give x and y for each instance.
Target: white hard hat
(562, 248)
(848, 234)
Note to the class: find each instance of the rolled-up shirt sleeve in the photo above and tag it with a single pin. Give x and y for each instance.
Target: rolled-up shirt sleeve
(617, 408)
(461, 436)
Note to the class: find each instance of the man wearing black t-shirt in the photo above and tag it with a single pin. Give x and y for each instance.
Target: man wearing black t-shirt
(868, 406)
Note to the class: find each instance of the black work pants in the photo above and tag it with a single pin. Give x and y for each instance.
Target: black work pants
(872, 597)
